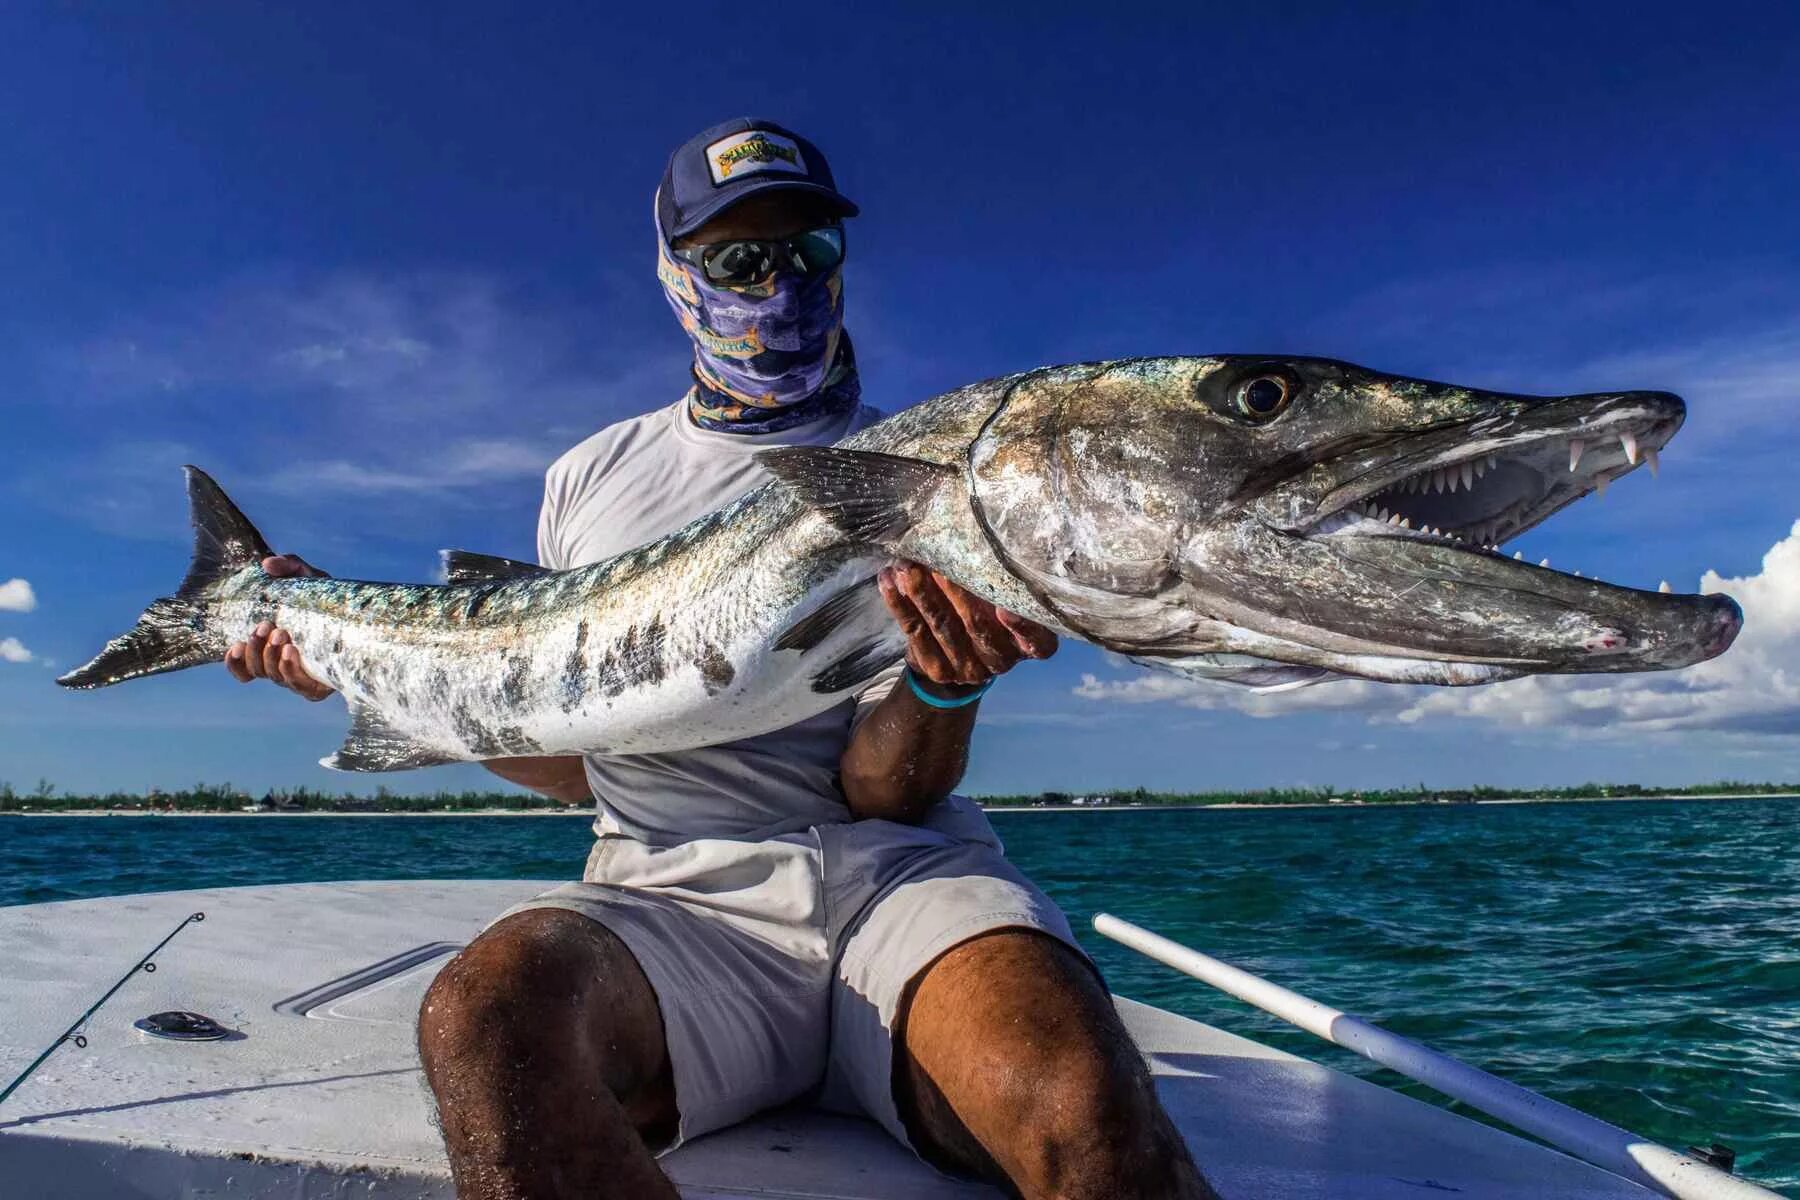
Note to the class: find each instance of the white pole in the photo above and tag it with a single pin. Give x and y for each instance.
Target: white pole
(1588, 1138)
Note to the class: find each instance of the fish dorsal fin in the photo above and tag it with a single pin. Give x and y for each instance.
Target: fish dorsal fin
(224, 539)
(466, 566)
(869, 496)
(374, 745)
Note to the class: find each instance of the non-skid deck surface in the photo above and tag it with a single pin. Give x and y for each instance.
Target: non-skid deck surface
(319, 1093)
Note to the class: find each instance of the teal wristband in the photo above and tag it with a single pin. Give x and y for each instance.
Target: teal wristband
(912, 681)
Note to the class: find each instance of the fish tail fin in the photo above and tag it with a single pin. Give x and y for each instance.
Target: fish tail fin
(174, 632)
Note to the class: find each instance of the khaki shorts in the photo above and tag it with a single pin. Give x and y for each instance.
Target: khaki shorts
(780, 964)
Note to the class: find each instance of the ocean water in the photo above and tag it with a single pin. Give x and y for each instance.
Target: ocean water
(1640, 961)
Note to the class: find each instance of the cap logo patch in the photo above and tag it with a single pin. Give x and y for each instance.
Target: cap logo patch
(752, 151)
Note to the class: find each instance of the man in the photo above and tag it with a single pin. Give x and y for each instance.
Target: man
(806, 913)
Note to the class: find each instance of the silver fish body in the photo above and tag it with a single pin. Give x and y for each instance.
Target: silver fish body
(1150, 506)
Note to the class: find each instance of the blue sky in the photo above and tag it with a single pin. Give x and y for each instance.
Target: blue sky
(374, 269)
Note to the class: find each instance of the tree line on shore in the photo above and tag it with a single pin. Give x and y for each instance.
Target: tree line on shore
(220, 798)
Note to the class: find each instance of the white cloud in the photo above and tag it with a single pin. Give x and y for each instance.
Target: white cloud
(356, 383)
(13, 651)
(16, 596)
(459, 465)
(1154, 687)
(1752, 690)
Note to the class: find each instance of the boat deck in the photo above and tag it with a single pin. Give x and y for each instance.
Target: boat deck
(319, 1094)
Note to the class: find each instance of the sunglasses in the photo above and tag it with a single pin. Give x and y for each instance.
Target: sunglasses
(742, 263)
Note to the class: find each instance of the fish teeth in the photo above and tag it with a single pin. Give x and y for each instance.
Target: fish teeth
(1650, 461)
(1468, 476)
(1599, 486)
(1394, 519)
(1664, 587)
(1543, 562)
(1629, 442)
(1575, 449)
(1518, 556)
(1406, 522)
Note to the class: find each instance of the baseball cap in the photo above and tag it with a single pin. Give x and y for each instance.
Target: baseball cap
(720, 166)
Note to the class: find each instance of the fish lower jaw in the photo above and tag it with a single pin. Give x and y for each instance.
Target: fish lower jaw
(1370, 518)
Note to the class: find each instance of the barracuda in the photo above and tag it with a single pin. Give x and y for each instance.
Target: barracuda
(1271, 522)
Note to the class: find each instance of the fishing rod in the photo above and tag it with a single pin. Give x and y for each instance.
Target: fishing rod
(70, 1035)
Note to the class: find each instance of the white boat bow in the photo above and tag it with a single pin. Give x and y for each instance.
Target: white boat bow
(317, 1092)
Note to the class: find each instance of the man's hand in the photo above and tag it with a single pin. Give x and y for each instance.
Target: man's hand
(269, 653)
(908, 755)
(954, 637)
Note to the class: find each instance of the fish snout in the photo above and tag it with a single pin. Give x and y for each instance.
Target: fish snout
(1727, 619)
(1654, 416)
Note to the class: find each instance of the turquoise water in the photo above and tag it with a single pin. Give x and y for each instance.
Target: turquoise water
(1640, 961)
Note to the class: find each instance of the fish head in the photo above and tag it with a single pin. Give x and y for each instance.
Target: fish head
(1219, 515)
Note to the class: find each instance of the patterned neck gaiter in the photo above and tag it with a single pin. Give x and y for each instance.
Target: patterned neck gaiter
(768, 357)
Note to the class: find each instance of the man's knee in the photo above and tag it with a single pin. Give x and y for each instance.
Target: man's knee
(1030, 1054)
(544, 982)
(1086, 1110)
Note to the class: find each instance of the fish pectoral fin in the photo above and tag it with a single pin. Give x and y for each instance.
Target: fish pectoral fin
(466, 566)
(869, 496)
(374, 745)
(860, 665)
(837, 611)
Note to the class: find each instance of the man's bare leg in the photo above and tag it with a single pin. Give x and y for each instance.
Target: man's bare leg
(1014, 1065)
(544, 1046)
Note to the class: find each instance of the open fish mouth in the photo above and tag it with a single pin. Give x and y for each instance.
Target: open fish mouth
(1391, 550)
(1478, 486)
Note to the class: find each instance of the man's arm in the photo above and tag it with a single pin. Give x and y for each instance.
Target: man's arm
(907, 755)
(269, 653)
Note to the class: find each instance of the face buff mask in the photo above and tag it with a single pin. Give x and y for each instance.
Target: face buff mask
(767, 357)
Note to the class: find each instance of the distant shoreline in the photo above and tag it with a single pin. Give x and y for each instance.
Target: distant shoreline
(1228, 805)
(1240, 806)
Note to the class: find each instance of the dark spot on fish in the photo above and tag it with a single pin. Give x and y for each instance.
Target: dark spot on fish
(716, 671)
(575, 671)
(513, 689)
(470, 732)
(650, 667)
(476, 599)
(511, 739)
(609, 673)
(637, 660)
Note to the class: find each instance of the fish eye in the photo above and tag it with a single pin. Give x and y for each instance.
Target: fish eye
(1263, 396)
